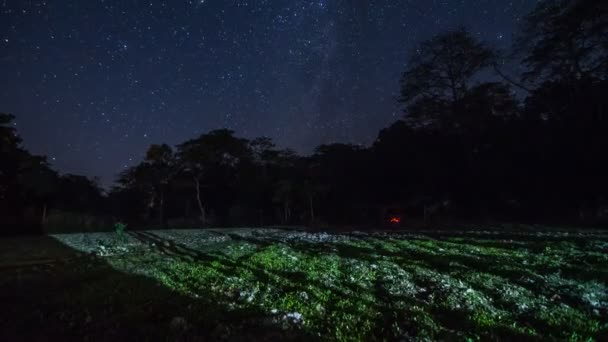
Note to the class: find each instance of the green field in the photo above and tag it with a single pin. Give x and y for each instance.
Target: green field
(266, 284)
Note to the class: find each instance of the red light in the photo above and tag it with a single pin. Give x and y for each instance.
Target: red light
(395, 220)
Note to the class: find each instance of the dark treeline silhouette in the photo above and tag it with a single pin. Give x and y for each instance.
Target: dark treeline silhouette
(475, 143)
(31, 191)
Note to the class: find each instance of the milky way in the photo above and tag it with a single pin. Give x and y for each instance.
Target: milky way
(93, 83)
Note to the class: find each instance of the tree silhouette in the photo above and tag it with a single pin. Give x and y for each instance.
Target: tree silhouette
(163, 168)
(10, 154)
(565, 39)
(440, 73)
(25, 180)
(210, 161)
(564, 45)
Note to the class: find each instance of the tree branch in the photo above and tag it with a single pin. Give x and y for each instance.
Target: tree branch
(509, 80)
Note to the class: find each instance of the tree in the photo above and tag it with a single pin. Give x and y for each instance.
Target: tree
(463, 119)
(565, 39)
(441, 73)
(26, 180)
(142, 179)
(487, 104)
(336, 178)
(263, 150)
(8, 134)
(284, 182)
(258, 177)
(79, 194)
(284, 193)
(10, 154)
(163, 168)
(40, 183)
(211, 161)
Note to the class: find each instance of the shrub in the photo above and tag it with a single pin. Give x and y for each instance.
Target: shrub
(120, 228)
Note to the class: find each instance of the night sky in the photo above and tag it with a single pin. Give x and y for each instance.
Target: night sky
(94, 82)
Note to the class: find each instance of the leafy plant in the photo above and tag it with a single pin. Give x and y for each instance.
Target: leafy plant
(120, 228)
(396, 286)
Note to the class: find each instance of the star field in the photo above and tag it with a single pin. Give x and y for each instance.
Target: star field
(93, 83)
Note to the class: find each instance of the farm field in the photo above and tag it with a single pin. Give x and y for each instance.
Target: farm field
(264, 284)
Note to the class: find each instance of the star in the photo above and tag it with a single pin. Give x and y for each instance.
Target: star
(302, 72)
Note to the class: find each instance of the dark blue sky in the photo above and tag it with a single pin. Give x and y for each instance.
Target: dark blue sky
(94, 82)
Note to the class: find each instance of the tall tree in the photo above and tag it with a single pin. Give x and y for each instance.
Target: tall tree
(440, 73)
(284, 182)
(210, 161)
(10, 154)
(79, 194)
(163, 168)
(335, 179)
(8, 133)
(564, 45)
(442, 94)
(257, 182)
(565, 39)
(26, 180)
(40, 183)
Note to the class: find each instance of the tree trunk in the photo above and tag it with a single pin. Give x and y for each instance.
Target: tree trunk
(286, 211)
(43, 214)
(312, 209)
(149, 214)
(198, 199)
(424, 213)
(161, 208)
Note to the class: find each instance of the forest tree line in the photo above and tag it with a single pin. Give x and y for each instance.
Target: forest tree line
(475, 142)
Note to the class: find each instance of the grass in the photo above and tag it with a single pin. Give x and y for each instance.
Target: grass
(265, 284)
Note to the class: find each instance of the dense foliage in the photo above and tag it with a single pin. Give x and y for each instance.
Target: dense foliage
(262, 284)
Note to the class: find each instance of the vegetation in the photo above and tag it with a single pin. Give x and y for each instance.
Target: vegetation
(434, 285)
(120, 228)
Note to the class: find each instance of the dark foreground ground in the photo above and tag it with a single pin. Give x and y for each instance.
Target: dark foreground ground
(269, 284)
